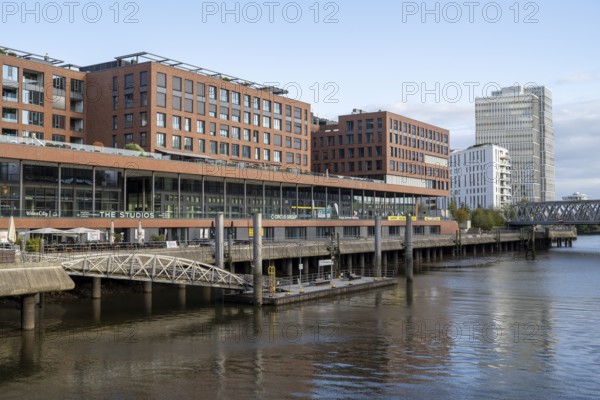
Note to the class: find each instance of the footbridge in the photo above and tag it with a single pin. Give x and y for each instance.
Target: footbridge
(557, 212)
(154, 268)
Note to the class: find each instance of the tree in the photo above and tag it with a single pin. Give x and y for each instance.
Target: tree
(462, 215)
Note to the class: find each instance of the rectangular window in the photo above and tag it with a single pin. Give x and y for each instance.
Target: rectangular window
(277, 108)
(235, 150)
(188, 144)
(201, 145)
(267, 122)
(277, 156)
(10, 73)
(128, 122)
(247, 117)
(176, 103)
(246, 151)
(37, 118)
(161, 80)
(288, 142)
(58, 121)
(298, 144)
(176, 84)
(224, 149)
(224, 113)
(256, 120)
(200, 89)
(224, 96)
(200, 126)
(212, 129)
(115, 124)
(267, 138)
(267, 105)
(143, 119)
(143, 139)
(235, 115)
(212, 110)
(188, 86)
(144, 78)
(58, 138)
(246, 100)
(129, 81)
(224, 131)
(267, 155)
(176, 139)
(187, 125)
(176, 122)
(289, 158)
(277, 124)
(212, 92)
(235, 133)
(257, 103)
(297, 113)
(277, 141)
(128, 138)
(213, 147)
(161, 120)
(200, 108)
(235, 98)
(161, 140)
(247, 135)
(257, 153)
(143, 99)
(161, 99)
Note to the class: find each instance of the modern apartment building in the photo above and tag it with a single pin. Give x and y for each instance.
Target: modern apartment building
(213, 144)
(41, 100)
(386, 147)
(520, 120)
(481, 177)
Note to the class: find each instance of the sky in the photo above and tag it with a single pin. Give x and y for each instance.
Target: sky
(426, 60)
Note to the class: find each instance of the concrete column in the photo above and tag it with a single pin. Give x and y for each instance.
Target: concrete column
(96, 288)
(395, 257)
(428, 255)
(474, 250)
(181, 295)
(378, 246)
(440, 254)
(361, 262)
(289, 267)
(147, 287)
(306, 265)
(28, 312)
(349, 262)
(408, 250)
(220, 241)
(384, 263)
(258, 261)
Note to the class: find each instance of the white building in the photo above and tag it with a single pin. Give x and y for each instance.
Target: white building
(480, 176)
(520, 120)
(576, 197)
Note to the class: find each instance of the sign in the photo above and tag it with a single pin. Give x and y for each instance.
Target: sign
(284, 217)
(251, 232)
(172, 244)
(3, 236)
(300, 267)
(433, 218)
(400, 218)
(325, 263)
(93, 236)
(324, 212)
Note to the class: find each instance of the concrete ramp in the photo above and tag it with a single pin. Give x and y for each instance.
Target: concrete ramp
(29, 280)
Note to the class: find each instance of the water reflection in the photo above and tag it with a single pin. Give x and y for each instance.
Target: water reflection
(506, 330)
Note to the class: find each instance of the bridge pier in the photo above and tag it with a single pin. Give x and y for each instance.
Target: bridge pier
(395, 258)
(147, 287)
(408, 250)
(378, 264)
(96, 288)
(384, 263)
(181, 295)
(28, 302)
(361, 263)
(257, 260)
(349, 262)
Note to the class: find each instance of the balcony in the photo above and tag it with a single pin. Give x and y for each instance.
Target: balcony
(10, 115)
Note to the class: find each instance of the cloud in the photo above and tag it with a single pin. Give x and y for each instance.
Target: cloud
(579, 77)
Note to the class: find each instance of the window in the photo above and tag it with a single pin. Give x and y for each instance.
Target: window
(201, 145)
(288, 111)
(161, 99)
(200, 108)
(277, 108)
(277, 141)
(115, 124)
(267, 138)
(36, 118)
(288, 142)
(161, 80)
(58, 121)
(277, 124)
(289, 158)
(128, 138)
(187, 125)
(212, 110)
(200, 89)
(143, 119)
(188, 105)
(246, 151)
(176, 103)
(297, 113)
(235, 98)
(188, 86)
(257, 103)
(176, 84)
(58, 138)
(224, 131)
(256, 120)
(114, 102)
(267, 122)
(224, 113)
(224, 95)
(128, 122)
(247, 117)
(277, 156)
(235, 115)
(255, 136)
(212, 129)
(176, 122)
(129, 100)
(29, 96)
(246, 100)
(213, 147)
(10, 73)
(143, 139)
(267, 105)
(115, 83)
(161, 140)
(129, 81)
(212, 92)
(257, 153)
(235, 133)
(224, 149)
(266, 154)
(247, 135)
(298, 144)
(188, 144)
(176, 141)
(200, 126)
(235, 150)
(288, 126)
(161, 120)
(143, 99)
(144, 78)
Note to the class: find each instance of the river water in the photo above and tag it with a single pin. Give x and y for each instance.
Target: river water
(509, 329)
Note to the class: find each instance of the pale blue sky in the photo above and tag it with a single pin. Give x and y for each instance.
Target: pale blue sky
(373, 53)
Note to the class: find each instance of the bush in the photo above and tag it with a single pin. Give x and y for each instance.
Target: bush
(157, 238)
(33, 245)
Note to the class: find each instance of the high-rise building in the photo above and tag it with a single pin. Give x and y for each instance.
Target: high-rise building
(520, 119)
(480, 177)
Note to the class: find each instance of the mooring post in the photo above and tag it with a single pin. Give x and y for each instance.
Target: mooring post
(258, 261)
(219, 240)
(96, 288)
(28, 312)
(408, 250)
(378, 246)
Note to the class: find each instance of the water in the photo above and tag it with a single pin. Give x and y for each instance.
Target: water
(511, 329)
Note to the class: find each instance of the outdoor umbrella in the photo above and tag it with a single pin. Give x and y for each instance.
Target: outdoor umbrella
(111, 233)
(12, 231)
(140, 232)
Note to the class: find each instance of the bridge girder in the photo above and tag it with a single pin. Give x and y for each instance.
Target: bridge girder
(557, 212)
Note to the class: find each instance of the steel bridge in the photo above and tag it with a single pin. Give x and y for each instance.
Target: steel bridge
(154, 268)
(557, 212)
